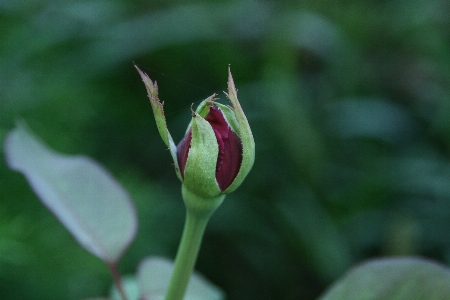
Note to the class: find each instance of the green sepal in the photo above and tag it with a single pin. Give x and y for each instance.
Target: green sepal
(158, 112)
(245, 133)
(203, 108)
(230, 117)
(200, 170)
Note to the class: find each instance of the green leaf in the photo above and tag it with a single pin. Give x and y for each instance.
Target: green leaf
(85, 198)
(393, 279)
(154, 277)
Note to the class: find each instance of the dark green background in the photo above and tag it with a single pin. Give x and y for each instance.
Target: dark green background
(349, 103)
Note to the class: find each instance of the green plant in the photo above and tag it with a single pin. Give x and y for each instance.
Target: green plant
(98, 212)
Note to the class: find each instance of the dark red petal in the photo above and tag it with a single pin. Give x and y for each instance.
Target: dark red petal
(230, 148)
(217, 121)
(228, 168)
(183, 151)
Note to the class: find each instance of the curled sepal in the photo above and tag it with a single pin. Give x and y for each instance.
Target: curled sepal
(203, 108)
(245, 134)
(158, 112)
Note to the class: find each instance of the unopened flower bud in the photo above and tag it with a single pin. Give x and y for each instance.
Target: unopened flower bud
(229, 149)
(218, 150)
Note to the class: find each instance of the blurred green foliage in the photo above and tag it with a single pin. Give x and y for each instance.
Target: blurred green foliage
(349, 103)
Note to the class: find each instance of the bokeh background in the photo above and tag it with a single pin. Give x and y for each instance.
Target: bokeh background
(349, 103)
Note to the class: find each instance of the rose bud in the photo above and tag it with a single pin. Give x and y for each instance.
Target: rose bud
(228, 159)
(218, 150)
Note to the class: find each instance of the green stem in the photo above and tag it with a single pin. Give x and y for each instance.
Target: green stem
(198, 212)
(187, 255)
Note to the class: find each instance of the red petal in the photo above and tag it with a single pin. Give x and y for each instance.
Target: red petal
(230, 148)
(228, 168)
(183, 150)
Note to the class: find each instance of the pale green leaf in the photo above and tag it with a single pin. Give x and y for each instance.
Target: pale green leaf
(85, 198)
(393, 279)
(130, 287)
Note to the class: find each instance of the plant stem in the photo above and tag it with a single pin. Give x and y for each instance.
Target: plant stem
(194, 228)
(198, 212)
(117, 280)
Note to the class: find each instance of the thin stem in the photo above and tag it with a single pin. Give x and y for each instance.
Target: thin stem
(198, 211)
(117, 280)
(194, 227)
